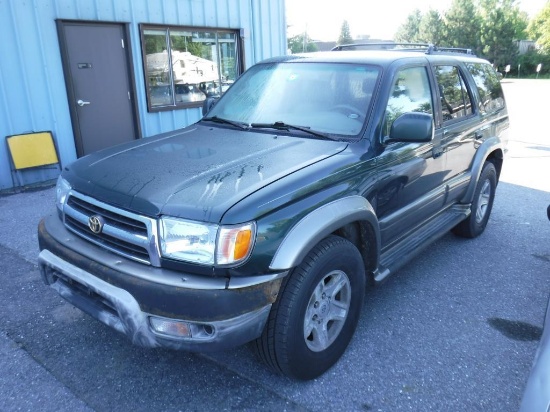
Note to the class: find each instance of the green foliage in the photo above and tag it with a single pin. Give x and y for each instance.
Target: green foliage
(186, 44)
(529, 62)
(419, 28)
(345, 34)
(502, 24)
(432, 28)
(155, 43)
(539, 28)
(490, 28)
(409, 31)
(463, 25)
(296, 44)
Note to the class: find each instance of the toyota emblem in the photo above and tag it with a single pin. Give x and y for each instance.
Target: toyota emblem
(95, 223)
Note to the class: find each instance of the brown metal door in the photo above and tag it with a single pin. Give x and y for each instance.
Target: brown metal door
(98, 73)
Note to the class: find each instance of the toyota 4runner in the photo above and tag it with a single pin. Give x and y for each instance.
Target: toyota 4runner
(312, 176)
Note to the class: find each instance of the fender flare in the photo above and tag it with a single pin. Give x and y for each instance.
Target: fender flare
(318, 224)
(490, 145)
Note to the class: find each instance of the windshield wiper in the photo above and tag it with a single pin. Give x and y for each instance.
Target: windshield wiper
(217, 119)
(286, 126)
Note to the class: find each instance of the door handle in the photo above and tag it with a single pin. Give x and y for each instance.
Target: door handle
(82, 103)
(479, 133)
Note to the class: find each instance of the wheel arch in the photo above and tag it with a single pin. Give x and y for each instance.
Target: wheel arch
(352, 217)
(491, 150)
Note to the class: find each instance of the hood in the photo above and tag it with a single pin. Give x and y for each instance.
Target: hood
(196, 173)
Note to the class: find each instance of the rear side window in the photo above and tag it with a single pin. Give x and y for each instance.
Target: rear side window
(455, 99)
(488, 85)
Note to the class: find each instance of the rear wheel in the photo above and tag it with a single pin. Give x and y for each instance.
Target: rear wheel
(482, 205)
(316, 313)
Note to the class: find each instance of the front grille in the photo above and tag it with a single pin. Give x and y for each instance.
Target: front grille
(123, 232)
(115, 219)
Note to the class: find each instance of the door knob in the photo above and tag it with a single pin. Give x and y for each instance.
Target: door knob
(82, 103)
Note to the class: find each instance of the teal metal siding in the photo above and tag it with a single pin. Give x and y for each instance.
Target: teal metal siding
(32, 87)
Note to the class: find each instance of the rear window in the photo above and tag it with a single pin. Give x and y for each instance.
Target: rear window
(488, 85)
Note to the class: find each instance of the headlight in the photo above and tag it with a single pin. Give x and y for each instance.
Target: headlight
(205, 244)
(62, 189)
(189, 241)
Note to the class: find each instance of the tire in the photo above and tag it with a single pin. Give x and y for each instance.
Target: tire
(316, 313)
(482, 205)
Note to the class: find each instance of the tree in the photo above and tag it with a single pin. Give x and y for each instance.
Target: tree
(539, 28)
(490, 28)
(301, 43)
(422, 28)
(432, 28)
(408, 31)
(345, 34)
(463, 26)
(155, 43)
(530, 60)
(501, 25)
(186, 44)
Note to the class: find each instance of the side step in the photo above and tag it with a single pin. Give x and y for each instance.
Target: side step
(399, 254)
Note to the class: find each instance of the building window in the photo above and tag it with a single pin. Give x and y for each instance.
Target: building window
(183, 66)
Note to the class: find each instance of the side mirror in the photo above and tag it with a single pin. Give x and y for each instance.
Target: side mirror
(208, 104)
(412, 127)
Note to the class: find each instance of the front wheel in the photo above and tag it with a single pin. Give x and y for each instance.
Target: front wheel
(315, 316)
(482, 205)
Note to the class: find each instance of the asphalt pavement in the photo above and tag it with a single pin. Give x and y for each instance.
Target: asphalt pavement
(455, 330)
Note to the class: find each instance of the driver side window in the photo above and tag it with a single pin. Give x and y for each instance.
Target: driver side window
(410, 93)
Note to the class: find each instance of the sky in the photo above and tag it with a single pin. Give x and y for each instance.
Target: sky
(379, 19)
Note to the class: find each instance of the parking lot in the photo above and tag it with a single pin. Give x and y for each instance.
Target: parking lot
(455, 330)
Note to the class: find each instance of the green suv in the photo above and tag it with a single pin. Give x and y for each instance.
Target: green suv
(311, 177)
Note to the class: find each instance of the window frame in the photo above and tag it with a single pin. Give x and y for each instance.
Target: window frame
(462, 75)
(168, 29)
(430, 83)
(290, 102)
(489, 75)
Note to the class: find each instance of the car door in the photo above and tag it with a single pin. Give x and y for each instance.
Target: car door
(410, 187)
(460, 129)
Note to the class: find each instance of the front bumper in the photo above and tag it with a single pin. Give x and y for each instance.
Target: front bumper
(125, 295)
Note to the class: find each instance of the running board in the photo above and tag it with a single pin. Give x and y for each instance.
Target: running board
(399, 254)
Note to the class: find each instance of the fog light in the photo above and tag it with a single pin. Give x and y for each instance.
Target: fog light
(182, 329)
(171, 327)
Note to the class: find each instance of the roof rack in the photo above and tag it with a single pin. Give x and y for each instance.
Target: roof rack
(454, 50)
(427, 48)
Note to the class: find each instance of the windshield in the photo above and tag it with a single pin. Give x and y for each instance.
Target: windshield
(330, 98)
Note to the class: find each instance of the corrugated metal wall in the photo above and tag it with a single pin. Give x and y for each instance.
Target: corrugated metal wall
(32, 87)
